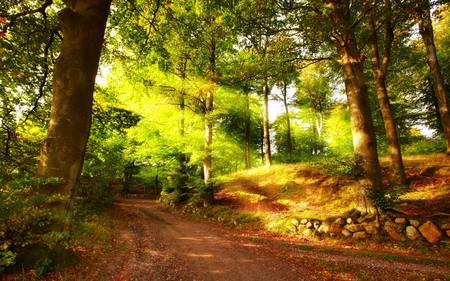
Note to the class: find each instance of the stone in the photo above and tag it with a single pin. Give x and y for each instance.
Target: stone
(412, 233)
(383, 217)
(346, 233)
(360, 235)
(335, 228)
(340, 221)
(349, 220)
(304, 221)
(309, 225)
(414, 223)
(316, 224)
(292, 228)
(431, 232)
(295, 222)
(307, 232)
(354, 227)
(366, 218)
(371, 229)
(390, 230)
(401, 221)
(445, 226)
(324, 228)
(399, 227)
(374, 223)
(300, 228)
(447, 232)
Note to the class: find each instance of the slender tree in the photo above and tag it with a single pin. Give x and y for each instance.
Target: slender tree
(380, 63)
(423, 17)
(334, 22)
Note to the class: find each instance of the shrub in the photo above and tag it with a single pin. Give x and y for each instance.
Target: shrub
(341, 165)
(425, 146)
(22, 220)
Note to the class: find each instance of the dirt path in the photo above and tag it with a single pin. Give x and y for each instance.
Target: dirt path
(163, 246)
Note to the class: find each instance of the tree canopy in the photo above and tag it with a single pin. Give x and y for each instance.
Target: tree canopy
(187, 87)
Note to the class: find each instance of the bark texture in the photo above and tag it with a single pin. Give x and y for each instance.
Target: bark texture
(247, 133)
(267, 152)
(288, 120)
(364, 141)
(426, 31)
(83, 25)
(379, 70)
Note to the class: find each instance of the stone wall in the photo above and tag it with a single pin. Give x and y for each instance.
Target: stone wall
(398, 228)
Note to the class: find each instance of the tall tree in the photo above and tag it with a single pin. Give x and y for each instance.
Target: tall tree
(272, 49)
(314, 90)
(284, 85)
(335, 23)
(83, 25)
(380, 62)
(423, 16)
(364, 141)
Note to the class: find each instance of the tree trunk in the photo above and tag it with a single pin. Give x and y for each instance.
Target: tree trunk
(426, 31)
(318, 118)
(267, 152)
(288, 120)
(207, 161)
(379, 71)
(364, 142)
(247, 134)
(83, 25)
(209, 103)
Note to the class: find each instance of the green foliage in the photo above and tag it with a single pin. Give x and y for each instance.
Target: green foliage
(7, 257)
(425, 146)
(22, 218)
(388, 198)
(42, 267)
(343, 165)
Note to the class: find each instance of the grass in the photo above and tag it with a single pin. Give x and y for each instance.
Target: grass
(268, 199)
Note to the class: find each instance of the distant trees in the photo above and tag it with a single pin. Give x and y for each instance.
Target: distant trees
(185, 75)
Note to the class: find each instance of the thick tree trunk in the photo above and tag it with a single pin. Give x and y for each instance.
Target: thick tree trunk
(364, 142)
(83, 25)
(267, 152)
(379, 71)
(426, 31)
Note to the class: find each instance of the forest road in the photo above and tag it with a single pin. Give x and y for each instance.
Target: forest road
(159, 245)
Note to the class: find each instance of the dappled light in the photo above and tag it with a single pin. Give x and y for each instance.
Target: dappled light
(224, 140)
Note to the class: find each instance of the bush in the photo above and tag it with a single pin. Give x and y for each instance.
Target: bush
(344, 165)
(425, 146)
(22, 220)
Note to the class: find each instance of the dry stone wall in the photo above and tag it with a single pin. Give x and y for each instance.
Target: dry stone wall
(398, 229)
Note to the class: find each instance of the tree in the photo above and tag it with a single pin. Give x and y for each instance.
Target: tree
(284, 85)
(423, 16)
(335, 23)
(379, 71)
(272, 50)
(83, 25)
(314, 91)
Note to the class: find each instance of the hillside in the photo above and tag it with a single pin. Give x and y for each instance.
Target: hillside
(277, 198)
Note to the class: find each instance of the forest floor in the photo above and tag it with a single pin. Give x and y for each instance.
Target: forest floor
(138, 238)
(159, 245)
